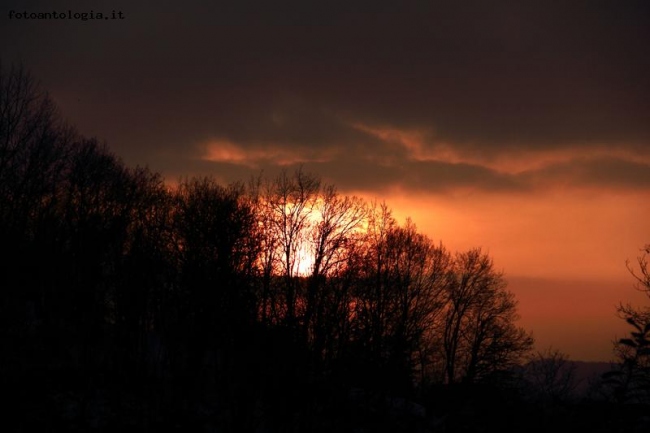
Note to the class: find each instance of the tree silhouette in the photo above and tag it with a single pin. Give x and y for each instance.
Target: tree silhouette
(34, 145)
(291, 200)
(34, 157)
(552, 376)
(479, 336)
(33, 148)
(337, 220)
(630, 380)
(192, 305)
(371, 293)
(212, 226)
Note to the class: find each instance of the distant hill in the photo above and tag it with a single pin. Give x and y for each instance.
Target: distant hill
(587, 372)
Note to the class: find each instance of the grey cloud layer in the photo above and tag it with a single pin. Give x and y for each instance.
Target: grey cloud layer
(489, 78)
(361, 171)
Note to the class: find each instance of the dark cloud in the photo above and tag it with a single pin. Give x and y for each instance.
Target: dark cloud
(422, 176)
(488, 78)
(599, 172)
(364, 175)
(365, 172)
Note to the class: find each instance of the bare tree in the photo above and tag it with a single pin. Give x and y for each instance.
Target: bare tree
(432, 308)
(213, 225)
(642, 276)
(337, 220)
(552, 376)
(479, 336)
(630, 380)
(267, 238)
(291, 201)
(398, 297)
(34, 148)
(640, 315)
(371, 297)
(417, 274)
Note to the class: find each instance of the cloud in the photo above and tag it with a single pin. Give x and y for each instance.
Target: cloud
(498, 96)
(608, 173)
(255, 157)
(403, 160)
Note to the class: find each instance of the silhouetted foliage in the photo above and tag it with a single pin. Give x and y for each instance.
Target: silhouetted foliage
(552, 377)
(479, 336)
(630, 380)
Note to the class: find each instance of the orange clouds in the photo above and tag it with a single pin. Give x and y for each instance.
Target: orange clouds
(253, 157)
(422, 145)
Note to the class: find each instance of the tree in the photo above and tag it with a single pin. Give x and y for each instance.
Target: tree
(630, 380)
(642, 276)
(140, 307)
(415, 275)
(371, 288)
(212, 228)
(479, 335)
(34, 156)
(337, 220)
(552, 377)
(34, 146)
(267, 239)
(291, 201)
(398, 295)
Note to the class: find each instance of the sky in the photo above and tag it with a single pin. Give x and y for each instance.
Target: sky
(522, 127)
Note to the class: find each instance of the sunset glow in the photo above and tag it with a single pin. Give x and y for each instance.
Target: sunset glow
(323, 216)
(513, 127)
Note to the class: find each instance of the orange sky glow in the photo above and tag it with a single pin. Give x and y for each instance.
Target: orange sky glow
(562, 248)
(562, 245)
(563, 255)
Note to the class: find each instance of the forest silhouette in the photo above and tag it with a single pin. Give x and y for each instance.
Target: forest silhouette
(276, 305)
